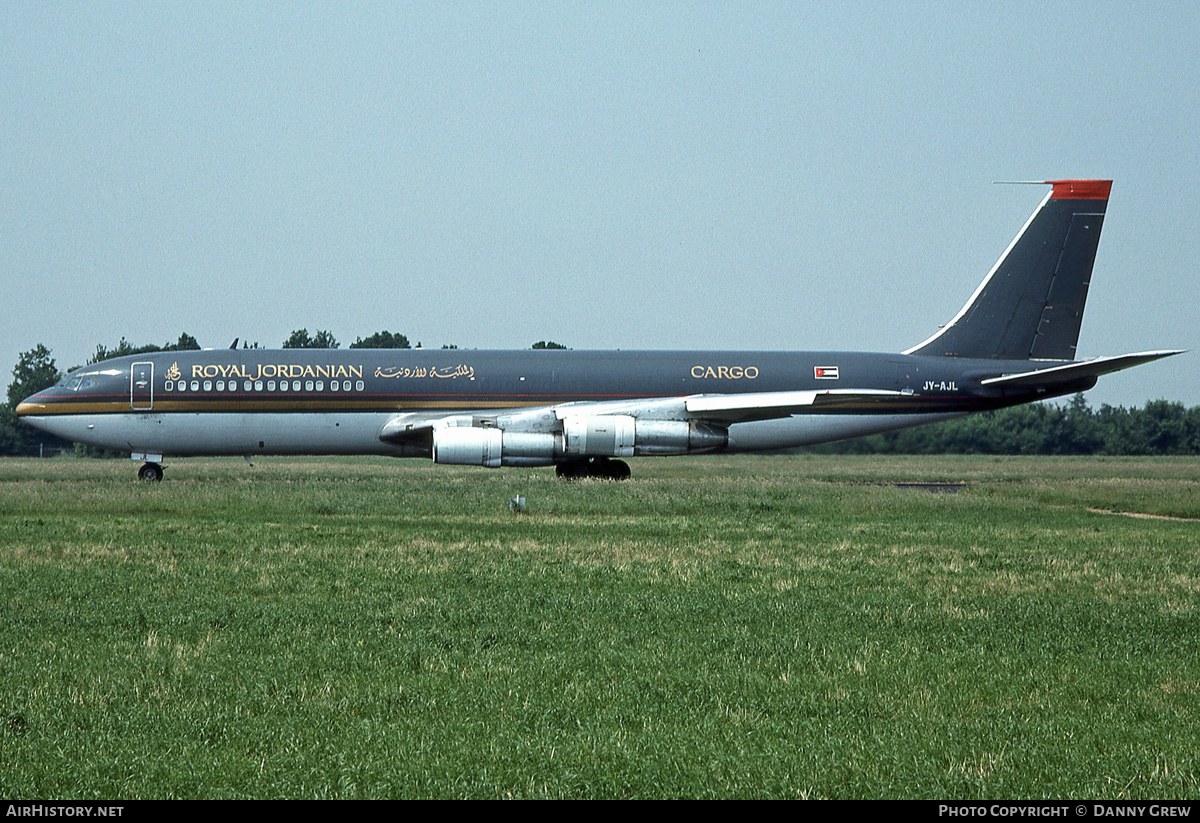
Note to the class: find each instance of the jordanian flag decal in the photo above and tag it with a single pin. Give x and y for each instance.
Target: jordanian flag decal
(825, 372)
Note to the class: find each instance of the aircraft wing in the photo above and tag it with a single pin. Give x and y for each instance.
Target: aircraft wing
(724, 409)
(1073, 371)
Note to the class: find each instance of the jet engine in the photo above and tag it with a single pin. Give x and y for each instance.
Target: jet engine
(616, 435)
(582, 436)
(492, 447)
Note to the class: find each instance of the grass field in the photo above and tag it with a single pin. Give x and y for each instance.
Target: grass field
(716, 627)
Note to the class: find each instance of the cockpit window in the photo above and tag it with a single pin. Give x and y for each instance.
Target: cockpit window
(82, 381)
(86, 380)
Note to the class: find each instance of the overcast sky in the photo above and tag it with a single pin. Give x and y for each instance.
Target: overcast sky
(606, 175)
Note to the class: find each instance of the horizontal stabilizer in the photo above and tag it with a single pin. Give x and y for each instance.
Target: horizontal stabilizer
(1074, 371)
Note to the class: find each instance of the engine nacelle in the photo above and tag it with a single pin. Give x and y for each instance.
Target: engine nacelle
(678, 437)
(491, 447)
(601, 435)
(615, 435)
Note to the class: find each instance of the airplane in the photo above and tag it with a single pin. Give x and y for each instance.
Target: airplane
(582, 411)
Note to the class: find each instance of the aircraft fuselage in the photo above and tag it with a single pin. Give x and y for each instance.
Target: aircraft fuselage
(293, 401)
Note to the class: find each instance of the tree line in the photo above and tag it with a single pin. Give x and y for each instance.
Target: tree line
(301, 339)
(1160, 427)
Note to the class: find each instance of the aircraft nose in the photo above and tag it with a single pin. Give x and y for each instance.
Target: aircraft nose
(33, 404)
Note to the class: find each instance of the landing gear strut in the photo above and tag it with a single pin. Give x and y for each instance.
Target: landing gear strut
(601, 468)
(150, 472)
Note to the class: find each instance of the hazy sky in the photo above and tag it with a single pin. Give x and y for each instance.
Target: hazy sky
(606, 175)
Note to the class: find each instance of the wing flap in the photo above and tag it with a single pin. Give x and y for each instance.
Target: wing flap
(736, 408)
(701, 403)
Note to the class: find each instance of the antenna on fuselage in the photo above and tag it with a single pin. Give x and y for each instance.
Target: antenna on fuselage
(233, 345)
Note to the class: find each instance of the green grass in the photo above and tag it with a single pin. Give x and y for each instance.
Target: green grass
(716, 627)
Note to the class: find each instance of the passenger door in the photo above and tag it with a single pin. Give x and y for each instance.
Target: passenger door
(141, 386)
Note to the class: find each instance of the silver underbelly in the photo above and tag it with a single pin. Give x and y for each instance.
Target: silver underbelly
(183, 434)
(193, 434)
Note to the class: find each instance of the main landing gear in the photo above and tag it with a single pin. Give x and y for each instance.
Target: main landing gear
(150, 472)
(601, 468)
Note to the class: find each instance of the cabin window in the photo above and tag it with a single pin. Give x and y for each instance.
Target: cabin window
(333, 385)
(195, 385)
(258, 385)
(220, 385)
(233, 385)
(283, 385)
(295, 385)
(308, 385)
(208, 385)
(246, 385)
(359, 385)
(320, 385)
(270, 385)
(169, 385)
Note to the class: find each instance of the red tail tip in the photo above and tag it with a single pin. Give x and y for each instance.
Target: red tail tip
(1080, 189)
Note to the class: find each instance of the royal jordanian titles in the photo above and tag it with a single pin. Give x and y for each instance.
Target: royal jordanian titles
(580, 411)
(262, 370)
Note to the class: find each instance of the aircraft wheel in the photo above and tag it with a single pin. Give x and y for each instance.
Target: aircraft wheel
(619, 470)
(150, 473)
(574, 470)
(606, 469)
(601, 468)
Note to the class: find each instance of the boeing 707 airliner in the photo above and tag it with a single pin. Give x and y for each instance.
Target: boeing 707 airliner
(581, 411)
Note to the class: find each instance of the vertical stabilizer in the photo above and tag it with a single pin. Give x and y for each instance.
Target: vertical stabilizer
(1030, 305)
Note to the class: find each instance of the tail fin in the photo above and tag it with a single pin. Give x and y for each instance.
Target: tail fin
(1030, 305)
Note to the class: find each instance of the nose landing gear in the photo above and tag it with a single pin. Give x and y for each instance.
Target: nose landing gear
(150, 473)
